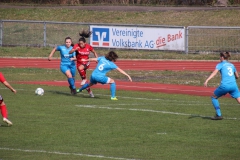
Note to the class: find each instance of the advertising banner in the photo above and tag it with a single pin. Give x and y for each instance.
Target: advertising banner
(138, 38)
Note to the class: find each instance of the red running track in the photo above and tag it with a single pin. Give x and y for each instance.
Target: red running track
(130, 65)
(123, 64)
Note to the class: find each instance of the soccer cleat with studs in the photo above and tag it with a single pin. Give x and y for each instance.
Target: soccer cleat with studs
(74, 92)
(9, 123)
(91, 94)
(114, 98)
(71, 89)
(78, 90)
(216, 117)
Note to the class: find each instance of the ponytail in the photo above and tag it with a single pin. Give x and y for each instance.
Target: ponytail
(84, 34)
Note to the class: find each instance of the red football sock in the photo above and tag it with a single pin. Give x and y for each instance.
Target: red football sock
(4, 111)
(88, 89)
(82, 73)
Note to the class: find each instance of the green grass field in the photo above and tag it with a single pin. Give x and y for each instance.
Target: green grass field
(140, 125)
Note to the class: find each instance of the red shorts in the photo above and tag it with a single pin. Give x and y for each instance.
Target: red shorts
(86, 66)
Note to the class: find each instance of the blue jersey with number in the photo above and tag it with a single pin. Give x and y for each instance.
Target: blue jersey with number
(103, 67)
(227, 70)
(65, 56)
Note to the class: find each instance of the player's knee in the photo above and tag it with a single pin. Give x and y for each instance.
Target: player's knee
(214, 97)
(80, 68)
(238, 100)
(2, 103)
(111, 81)
(69, 75)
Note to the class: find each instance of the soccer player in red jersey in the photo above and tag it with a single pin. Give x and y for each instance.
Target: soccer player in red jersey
(3, 107)
(83, 51)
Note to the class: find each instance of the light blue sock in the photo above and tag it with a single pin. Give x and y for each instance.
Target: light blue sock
(86, 85)
(71, 83)
(113, 89)
(216, 106)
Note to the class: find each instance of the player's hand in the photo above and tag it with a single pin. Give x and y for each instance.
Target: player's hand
(205, 84)
(130, 79)
(14, 91)
(49, 58)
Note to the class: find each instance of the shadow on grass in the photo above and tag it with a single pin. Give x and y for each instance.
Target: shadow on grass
(199, 116)
(62, 93)
(4, 125)
(83, 95)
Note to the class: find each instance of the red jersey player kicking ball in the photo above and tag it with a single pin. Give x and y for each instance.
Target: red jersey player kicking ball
(3, 107)
(83, 51)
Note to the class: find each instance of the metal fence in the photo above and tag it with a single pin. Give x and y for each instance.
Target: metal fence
(198, 39)
(207, 39)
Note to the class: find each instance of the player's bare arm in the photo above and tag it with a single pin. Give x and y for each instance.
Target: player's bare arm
(90, 59)
(73, 59)
(95, 53)
(210, 77)
(51, 54)
(9, 86)
(73, 50)
(123, 72)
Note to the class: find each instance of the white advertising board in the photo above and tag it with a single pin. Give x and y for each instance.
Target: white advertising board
(138, 38)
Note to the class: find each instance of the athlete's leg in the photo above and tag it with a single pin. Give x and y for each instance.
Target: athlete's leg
(216, 105)
(235, 93)
(3, 109)
(82, 73)
(112, 88)
(220, 91)
(66, 70)
(73, 72)
(238, 99)
(70, 79)
(86, 85)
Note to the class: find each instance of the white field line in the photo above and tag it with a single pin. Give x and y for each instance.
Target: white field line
(187, 102)
(148, 110)
(154, 88)
(65, 153)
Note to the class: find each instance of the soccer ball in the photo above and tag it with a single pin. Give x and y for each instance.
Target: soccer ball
(39, 91)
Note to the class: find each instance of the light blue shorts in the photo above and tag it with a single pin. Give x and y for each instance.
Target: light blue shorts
(98, 79)
(224, 89)
(65, 68)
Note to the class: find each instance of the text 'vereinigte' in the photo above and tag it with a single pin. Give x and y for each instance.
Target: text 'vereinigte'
(128, 33)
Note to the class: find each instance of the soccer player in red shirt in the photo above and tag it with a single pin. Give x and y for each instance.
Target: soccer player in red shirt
(83, 51)
(3, 107)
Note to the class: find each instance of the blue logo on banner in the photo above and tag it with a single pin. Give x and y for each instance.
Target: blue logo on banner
(100, 36)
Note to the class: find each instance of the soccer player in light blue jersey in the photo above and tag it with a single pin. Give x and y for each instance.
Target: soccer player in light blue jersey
(105, 64)
(228, 83)
(67, 66)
